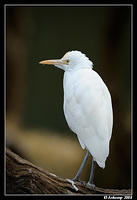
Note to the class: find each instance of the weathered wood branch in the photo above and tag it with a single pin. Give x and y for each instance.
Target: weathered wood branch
(23, 177)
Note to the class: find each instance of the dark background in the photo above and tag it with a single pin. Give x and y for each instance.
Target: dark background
(36, 127)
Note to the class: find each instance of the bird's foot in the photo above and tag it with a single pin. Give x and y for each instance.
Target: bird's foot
(77, 180)
(91, 185)
(83, 182)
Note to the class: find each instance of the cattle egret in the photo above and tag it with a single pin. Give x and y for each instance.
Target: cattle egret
(87, 107)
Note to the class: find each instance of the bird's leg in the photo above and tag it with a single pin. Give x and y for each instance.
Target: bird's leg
(81, 167)
(90, 182)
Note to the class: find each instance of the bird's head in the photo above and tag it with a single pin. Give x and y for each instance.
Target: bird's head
(72, 60)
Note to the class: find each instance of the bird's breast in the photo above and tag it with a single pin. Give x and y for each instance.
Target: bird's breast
(77, 99)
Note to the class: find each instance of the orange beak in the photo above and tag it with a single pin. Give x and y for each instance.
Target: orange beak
(52, 62)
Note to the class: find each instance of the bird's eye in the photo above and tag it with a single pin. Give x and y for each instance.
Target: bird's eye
(67, 61)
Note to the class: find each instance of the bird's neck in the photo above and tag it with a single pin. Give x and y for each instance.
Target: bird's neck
(75, 75)
(78, 67)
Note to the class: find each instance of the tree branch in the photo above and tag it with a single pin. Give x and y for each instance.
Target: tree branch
(22, 177)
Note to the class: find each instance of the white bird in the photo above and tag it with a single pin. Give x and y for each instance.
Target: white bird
(87, 107)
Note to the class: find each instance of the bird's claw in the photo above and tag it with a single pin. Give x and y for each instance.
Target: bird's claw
(77, 180)
(83, 182)
(91, 185)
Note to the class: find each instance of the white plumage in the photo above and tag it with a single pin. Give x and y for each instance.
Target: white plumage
(88, 111)
(87, 104)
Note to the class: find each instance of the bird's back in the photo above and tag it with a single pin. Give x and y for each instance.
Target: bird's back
(88, 111)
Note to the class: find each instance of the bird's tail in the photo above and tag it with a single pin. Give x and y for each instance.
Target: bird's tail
(101, 164)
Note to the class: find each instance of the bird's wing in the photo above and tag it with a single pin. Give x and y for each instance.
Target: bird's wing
(88, 111)
(94, 101)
